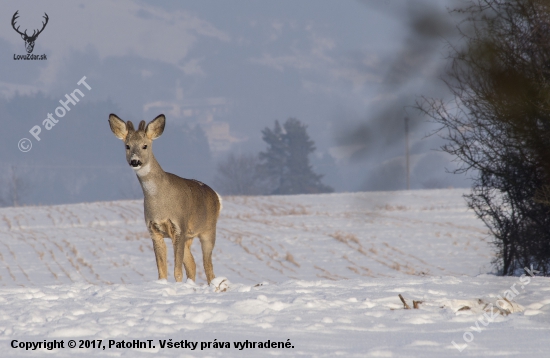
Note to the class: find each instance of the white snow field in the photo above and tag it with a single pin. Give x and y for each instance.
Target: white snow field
(315, 275)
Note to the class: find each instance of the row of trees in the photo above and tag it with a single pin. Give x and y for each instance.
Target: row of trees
(282, 169)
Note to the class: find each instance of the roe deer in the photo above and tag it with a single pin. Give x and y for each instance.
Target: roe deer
(176, 208)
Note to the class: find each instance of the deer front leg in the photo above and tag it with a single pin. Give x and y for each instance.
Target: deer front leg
(179, 248)
(160, 254)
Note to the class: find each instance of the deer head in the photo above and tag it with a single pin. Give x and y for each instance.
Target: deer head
(29, 40)
(138, 142)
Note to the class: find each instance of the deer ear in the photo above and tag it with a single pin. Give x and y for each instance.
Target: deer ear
(118, 127)
(155, 128)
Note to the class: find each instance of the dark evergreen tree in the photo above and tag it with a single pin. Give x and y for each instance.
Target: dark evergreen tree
(273, 160)
(285, 163)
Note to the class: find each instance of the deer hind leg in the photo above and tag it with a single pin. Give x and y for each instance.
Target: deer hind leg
(208, 239)
(159, 247)
(184, 252)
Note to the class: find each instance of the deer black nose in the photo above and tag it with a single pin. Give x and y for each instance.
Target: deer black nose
(135, 163)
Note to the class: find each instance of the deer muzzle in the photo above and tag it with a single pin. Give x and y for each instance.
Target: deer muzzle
(135, 163)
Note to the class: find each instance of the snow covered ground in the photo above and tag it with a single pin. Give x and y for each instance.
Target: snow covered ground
(316, 275)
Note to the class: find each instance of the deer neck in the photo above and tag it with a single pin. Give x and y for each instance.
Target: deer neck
(150, 176)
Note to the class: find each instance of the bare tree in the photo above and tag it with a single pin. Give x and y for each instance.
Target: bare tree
(498, 125)
(238, 175)
(15, 188)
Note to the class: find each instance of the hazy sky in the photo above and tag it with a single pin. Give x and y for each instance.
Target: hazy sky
(233, 67)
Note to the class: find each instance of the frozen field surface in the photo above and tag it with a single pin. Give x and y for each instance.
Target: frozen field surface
(316, 275)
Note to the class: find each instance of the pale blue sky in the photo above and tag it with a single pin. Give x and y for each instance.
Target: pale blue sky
(232, 67)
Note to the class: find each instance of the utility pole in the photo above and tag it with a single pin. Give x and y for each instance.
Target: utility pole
(407, 153)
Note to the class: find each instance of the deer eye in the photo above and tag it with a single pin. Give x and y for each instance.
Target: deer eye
(144, 147)
(127, 146)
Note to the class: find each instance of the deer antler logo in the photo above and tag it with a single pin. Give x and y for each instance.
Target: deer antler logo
(29, 40)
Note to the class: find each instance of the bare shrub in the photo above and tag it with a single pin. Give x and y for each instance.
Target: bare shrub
(238, 175)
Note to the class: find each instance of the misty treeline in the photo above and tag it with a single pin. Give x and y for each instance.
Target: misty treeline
(498, 124)
(282, 169)
(78, 160)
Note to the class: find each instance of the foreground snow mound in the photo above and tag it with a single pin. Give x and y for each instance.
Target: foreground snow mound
(479, 306)
(321, 318)
(220, 284)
